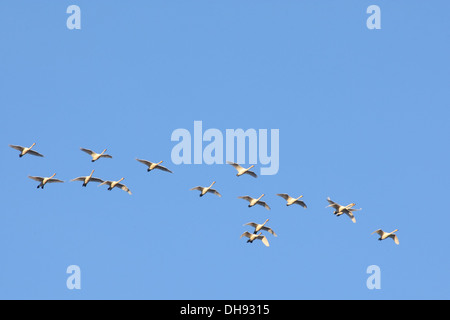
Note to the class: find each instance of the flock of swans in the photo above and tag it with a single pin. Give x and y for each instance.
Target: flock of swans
(339, 210)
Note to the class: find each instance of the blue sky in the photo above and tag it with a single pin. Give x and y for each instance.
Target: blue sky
(363, 117)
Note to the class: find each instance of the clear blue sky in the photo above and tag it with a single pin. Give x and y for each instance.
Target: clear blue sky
(363, 117)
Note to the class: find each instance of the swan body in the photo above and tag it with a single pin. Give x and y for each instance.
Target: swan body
(88, 179)
(95, 156)
(44, 181)
(24, 151)
(204, 191)
(241, 170)
(253, 202)
(340, 210)
(384, 235)
(152, 166)
(252, 237)
(290, 201)
(259, 227)
(116, 184)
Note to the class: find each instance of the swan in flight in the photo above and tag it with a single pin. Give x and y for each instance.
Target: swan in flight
(340, 210)
(252, 237)
(151, 166)
(259, 227)
(44, 181)
(254, 202)
(95, 156)
(384, 235)
(116, 184)
(88, 179)
(291, 201)
(241, 171)
(24, 151)
(204, 191)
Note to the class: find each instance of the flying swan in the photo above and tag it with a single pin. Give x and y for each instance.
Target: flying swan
(241, 171)
(88, 179)
(44, 181)
(95, 156)
(254, 202)
(259, 227)
(151, 166)
(385, 235)
(340, 210)
(116, 184)
(204, 191)
(252, 237)
(291, 201)
(24, 151)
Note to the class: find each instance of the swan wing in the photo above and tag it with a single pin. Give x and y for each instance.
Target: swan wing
(18, 148)
(215, 192)
(269, 230)
(34, 153)
(262, 203)
(79, 179)
(252, 224)
(284, 196)
(147, 163)
(246, 234)
(249, 199)
(163, 168)
(89, 152)
(395, 238)
(379, 232)
(333, 204)
(97, 180)
(55, 181)
(251, 173)
(264, 240)
(301, 203)
(235, 165)
(124, 188)
(198, 188)
(107, 156)
(39, 179)
(351, 216)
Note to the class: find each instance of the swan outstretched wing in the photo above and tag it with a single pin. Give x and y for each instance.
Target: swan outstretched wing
(18, 148)
(198, 188)
(301, 203)
(262, 203)
(247, 198)
(252, 224)
(79, 179)
(333, 204)
(97, 180)
(395, 238)
(269, 230)
(124, 188)
(107, 156)
(163, 168)
(34, 153)
(246, 234)
(254, 175)
(145, 162)
(235, 165)
(350, 214)
(284, 196)
(38, 179)
(215, 192)
(55, 181)
(89, 152)
(379, 232)
(264, 240)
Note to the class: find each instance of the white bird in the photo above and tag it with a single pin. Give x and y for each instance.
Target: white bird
(151, 166)
(259, 227)
(24, 151)
(254, 202)
(241, 171)
(385, 235)
(116, 184)
(95, 156)
(291, 201)
(204, 191)
(252, 237)
(88, 179)
(340, 210)
(44, 181)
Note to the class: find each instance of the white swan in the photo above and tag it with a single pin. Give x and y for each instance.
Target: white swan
(241, 171)
(44, 181)
(340, 210)
(291, 201)
(116, 184)
(254, 202)
(24, 151)
(204, 191)
(259, 227)
(151, 166)
(95, 156)
(252, 237)
(385, 235)
(88, 179)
